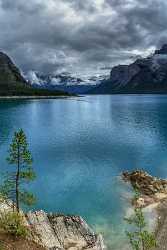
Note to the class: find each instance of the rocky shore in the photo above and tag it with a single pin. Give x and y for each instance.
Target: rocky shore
(152, 189)
(154, 195)
(55, 231)
(59, 232)
(67, 232)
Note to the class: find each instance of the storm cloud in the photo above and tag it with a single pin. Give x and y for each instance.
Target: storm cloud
(80, 36)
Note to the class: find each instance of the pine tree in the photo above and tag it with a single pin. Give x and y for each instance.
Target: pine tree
(20, 157)
(139, 238)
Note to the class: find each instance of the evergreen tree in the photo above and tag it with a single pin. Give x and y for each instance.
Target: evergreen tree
(139, 238)
(20, 157)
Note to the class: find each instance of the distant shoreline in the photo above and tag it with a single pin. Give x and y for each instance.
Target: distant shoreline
(34, 97)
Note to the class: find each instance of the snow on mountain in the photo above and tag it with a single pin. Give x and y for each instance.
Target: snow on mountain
(145, 75)
(65, 79)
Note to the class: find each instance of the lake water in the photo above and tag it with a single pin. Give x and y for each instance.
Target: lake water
(80, 147)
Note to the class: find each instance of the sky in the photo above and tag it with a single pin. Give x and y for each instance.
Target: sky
(80, 36)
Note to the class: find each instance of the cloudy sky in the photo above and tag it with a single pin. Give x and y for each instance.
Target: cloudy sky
(80, 36)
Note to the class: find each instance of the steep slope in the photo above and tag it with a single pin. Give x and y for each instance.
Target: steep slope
(147, 75)
(13, 83)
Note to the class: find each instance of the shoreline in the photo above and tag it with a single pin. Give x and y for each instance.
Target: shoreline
(34, 97)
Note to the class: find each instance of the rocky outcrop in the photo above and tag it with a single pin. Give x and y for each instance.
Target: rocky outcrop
(63, 232)
(146, 75)
(146, 184)
(57, 231)
(152, 189)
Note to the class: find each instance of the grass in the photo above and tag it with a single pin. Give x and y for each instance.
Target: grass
(14, 233)
(8, 242)
(12, 223)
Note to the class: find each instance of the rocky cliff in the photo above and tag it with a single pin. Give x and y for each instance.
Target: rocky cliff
(10, 76)
(9, 73)
(147, 75)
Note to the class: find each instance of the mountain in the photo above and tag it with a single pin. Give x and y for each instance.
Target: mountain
(46, 80)
(12, 83)
(146, 75)
(64, 82)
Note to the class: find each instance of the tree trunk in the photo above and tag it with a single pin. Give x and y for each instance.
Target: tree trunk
(17, 178)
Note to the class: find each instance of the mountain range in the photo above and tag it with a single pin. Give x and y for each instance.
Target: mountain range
(145, 75)
(63, 81)
(12, 83)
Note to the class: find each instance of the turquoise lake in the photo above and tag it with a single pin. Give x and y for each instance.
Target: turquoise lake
(81, 145)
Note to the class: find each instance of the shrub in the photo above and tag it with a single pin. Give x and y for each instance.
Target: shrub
(1, 245)
(13, 224)
(139, 237)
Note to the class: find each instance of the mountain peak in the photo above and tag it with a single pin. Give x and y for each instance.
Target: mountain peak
(162, 50)
(4, 58)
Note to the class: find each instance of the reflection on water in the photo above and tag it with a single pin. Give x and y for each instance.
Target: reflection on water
(81, 147)
(8, 117)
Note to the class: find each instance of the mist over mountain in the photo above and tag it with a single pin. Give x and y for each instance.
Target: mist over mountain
(64, 81)
(145, 75)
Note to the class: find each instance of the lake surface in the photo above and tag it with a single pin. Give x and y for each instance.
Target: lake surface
(80, 147)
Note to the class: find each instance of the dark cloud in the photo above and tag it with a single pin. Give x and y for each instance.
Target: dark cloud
(77, 35)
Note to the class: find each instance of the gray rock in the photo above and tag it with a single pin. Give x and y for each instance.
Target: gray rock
(63, 232)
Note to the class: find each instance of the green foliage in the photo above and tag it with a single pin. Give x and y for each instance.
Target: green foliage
(27, 198)
(7, 189)
(139, 238)
(14, 181)
(12, 223)
(1, 245)
(19, 150)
